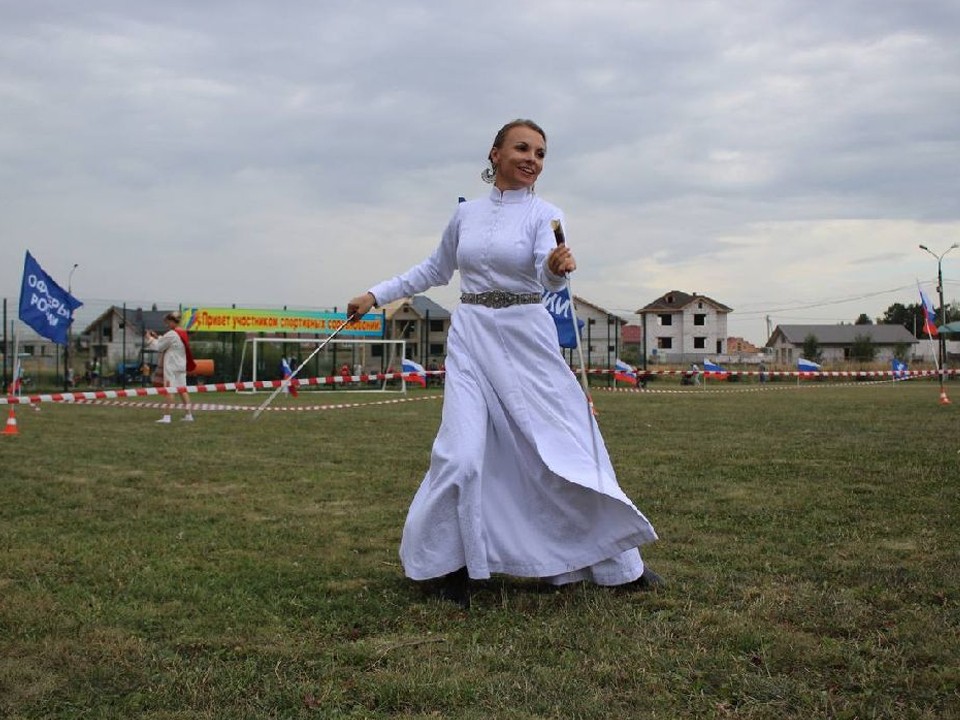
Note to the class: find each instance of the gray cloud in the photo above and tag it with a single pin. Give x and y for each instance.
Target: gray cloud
(305, 150)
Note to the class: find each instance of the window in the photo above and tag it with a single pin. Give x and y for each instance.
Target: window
(699, 343)
(700, 319)
(436, 326)
(666, 319)
(436, 349)
(664, 343)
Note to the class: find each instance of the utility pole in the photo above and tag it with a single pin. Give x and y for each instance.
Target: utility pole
(66, 349)
(941, 340)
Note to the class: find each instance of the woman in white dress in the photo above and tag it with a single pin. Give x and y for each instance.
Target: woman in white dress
(519, 480)
(174, 359)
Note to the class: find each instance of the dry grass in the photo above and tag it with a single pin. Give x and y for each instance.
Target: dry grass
(233, 569)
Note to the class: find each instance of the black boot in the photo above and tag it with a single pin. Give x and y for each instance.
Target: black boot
(454, 587)
(648, 581)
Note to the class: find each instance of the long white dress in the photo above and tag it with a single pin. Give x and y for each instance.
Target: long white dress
(519, 480)
(173, 357)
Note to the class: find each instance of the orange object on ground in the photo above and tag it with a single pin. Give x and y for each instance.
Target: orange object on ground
(11, 428)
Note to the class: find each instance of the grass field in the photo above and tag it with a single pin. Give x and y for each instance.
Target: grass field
(239, 569)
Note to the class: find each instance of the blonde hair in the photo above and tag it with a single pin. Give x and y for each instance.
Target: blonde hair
(489, 174)
(174, 316)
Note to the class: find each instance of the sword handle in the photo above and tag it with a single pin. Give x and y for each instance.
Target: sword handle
(558, 232)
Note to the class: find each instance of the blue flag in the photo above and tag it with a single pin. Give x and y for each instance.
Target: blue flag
(558, 304)
(899, 369)
(44, 305)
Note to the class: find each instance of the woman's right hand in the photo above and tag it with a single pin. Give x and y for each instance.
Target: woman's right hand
(360, 306)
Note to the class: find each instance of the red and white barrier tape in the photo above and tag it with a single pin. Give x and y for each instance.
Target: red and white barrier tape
(380, 377)
(704, 390)
(272, 408)
(212, 388)
(896, 374)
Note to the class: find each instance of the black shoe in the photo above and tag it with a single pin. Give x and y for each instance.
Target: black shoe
(454, 587)
(648, 581)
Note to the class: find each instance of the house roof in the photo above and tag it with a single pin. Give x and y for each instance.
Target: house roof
(580, 301)
(420, 304)
(147, 319)
(842, 334)
(677, 300)
(631, 334)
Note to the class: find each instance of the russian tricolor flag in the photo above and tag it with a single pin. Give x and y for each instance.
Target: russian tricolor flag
(624, 373)
(712, 368)
(807, 365)
(414, 372)
(929, 314)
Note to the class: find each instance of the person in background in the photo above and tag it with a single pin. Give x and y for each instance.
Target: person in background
(175, 359)
(519, 481)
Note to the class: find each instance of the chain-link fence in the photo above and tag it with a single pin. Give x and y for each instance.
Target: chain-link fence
(106, 348)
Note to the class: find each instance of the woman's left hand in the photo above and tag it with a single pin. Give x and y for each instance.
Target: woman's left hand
(560, 261)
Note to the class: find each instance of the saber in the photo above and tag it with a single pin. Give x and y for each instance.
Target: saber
(287, 380)
(561, 240)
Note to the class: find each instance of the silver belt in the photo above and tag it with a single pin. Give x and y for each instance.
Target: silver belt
(500, 298)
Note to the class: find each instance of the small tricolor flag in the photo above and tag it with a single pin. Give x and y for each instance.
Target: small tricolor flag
(414, 372)
(807, 365)
(623, 372)
(712, 368)
(929, 315)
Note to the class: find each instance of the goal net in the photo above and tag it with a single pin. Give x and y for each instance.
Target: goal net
(262, 358)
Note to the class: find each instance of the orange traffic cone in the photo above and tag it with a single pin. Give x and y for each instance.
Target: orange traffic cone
(11, 428)
(944, 400)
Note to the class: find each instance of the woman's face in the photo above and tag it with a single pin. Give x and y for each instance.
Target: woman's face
(520, 160)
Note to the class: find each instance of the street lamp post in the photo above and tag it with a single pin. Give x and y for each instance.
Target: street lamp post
(66, 350)
(941, 340)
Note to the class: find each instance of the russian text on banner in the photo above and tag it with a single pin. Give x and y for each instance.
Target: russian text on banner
(44, 305)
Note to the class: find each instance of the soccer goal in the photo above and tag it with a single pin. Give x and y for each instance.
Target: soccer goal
(351, 358)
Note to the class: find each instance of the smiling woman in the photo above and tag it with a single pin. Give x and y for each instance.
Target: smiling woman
(516, 164)
(520, 481)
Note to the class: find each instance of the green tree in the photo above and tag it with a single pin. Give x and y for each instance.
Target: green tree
(811, 348)
(863, 348)
(863, 320)
(911, 316)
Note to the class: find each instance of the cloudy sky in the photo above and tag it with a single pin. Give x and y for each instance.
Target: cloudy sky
(783, 157)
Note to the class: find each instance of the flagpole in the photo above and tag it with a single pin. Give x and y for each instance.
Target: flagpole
(592, 418)
(16, 384)
(926, 326)
(287, 380)
(558, 235)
